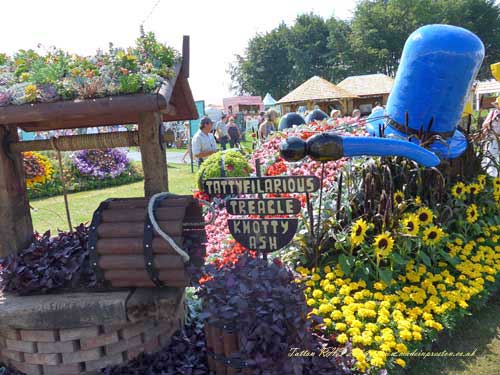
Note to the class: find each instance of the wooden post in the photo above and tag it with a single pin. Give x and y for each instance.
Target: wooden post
(16, 228)
(154, 159)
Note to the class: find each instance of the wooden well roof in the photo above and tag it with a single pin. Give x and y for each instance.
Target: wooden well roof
(174, 100)
(368, 84)
(316, 88)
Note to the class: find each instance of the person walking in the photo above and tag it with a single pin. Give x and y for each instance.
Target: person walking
(221, 132)
(187, 134)
(234, 133)
(491, 132)
(267, 127)
(203, 142)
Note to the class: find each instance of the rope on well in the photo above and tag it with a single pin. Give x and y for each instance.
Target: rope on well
(165, 236)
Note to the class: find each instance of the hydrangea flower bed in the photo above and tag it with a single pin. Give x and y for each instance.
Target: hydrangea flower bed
(101, 163)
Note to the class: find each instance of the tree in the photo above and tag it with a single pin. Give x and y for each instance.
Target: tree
(266, 66)
(308, 49)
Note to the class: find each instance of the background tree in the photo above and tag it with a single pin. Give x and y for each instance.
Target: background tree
(372, 42)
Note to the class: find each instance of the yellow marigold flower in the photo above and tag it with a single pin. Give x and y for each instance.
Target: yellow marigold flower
(425, 215)
(336, 315)
(458, 190)
(418, 201)
(398, 197)
(358, 354)
(327, 321)
(432, 235)
(316, 277)
(405, 335)
(317, 293)
(340, 327)
(401, 362)
(311, 302)
(417, 336)
(330, 276)
(472, 214)
(401, 348)
(325, 308)
(411, 224)
(342, 338)
(383, 244)
(327, 269)
(358, 231)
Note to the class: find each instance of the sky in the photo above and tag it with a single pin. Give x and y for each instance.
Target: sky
(218, 29)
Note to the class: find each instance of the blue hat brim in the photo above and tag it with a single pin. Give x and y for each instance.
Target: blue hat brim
(450, 148)
(374, 122)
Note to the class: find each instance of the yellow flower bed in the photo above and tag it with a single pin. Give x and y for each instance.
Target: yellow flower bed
(383, 320)
(38, 168)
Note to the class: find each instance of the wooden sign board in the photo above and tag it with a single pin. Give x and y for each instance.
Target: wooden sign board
(264, 235)
(261, 185)
(263, 206)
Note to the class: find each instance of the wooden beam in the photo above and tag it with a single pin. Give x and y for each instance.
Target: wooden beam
(85, 142)
(185, 56)
(154, 159)
(16, 228)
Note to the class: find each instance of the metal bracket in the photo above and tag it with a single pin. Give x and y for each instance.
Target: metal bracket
(236, 363)
(92, 241)
(148, 248)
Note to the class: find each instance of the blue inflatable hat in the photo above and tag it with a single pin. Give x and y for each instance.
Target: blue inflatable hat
(316, 115)
(437, 69)
(291, 119)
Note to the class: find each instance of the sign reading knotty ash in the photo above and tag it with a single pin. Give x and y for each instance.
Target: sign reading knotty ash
(265, 234)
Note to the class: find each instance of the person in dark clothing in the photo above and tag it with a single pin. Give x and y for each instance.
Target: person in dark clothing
(234, 133)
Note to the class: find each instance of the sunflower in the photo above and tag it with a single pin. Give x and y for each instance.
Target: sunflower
(458, 190)
(474, 189)
(481, 179)
(496, 182)
(398, 197)
(433, 235)
(383, 244)
(472, 214)
(358, 232)
(411, 224)
(425, 215)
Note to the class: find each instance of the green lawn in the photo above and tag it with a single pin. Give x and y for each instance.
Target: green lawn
(50, 214)
(480, 332)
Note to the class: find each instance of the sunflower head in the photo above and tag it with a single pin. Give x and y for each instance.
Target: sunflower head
(458, 190)
(418, 201)
(432, 235)
(398, 197)
(425, 215)
(481, 179)
(472, 214)
(383, 244)
(411, 224)
(474, 189)
(358, 231)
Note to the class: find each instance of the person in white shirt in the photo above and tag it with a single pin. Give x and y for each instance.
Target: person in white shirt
(203, 143)
(221, 131)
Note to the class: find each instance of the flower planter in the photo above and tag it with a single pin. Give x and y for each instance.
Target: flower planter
(126, 251)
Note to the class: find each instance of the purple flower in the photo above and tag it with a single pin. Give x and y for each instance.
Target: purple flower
(101, 163)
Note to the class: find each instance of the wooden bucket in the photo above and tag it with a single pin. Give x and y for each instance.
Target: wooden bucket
(126, 251)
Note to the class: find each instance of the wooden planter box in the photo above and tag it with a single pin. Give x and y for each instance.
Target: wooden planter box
(222, 348)
(125, 250)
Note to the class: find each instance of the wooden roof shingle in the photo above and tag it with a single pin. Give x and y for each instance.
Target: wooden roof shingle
(368, 84)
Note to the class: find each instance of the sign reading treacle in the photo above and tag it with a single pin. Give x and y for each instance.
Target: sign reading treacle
(263, 206)
(261, 185)
(264, 235)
